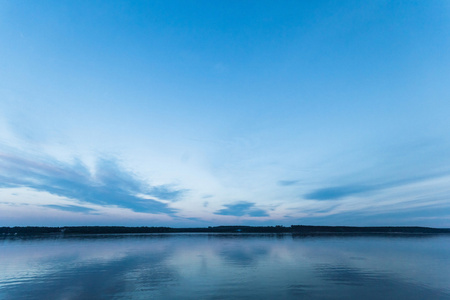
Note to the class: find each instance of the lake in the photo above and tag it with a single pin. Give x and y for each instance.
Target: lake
(225, 266)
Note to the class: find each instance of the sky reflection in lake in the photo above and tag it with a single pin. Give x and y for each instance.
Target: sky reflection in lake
(214, 266)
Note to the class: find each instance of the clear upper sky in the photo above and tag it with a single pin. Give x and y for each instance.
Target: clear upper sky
(197, 113)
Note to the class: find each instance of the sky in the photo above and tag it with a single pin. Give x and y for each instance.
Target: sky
(205, 113)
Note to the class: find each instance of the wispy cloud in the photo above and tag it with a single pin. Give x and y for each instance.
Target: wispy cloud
(287, 182)
(71, 208)
(241, 209)
(337, 192)
(109, 185)
(342, 191)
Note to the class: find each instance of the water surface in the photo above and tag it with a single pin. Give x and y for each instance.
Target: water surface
(225, 266)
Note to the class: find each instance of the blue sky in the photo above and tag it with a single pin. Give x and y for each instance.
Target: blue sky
(198, 113)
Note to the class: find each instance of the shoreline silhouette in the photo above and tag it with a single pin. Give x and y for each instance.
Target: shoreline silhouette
(293, 229)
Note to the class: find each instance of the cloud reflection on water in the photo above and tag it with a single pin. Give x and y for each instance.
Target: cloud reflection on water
(204, 266)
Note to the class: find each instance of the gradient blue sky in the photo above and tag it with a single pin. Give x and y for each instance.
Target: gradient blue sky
(197, 113)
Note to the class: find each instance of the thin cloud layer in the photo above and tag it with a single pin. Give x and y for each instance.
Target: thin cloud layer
(342, 191)
(338, 192)
(242, 209)
(71, 208)
(110, 185)
(287, 182)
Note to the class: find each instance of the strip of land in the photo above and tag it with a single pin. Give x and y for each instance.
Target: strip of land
(293, 229)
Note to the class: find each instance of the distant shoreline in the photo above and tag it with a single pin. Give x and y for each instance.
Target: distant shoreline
(293, 229)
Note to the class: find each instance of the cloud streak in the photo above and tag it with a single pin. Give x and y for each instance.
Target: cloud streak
(109, 185)
(242, 209)
(338, 192)
(342, 191)
(71, 208)
(287, 182)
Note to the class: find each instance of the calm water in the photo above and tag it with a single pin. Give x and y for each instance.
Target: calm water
(215, 266)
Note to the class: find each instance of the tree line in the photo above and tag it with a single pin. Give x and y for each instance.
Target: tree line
(293, 229)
